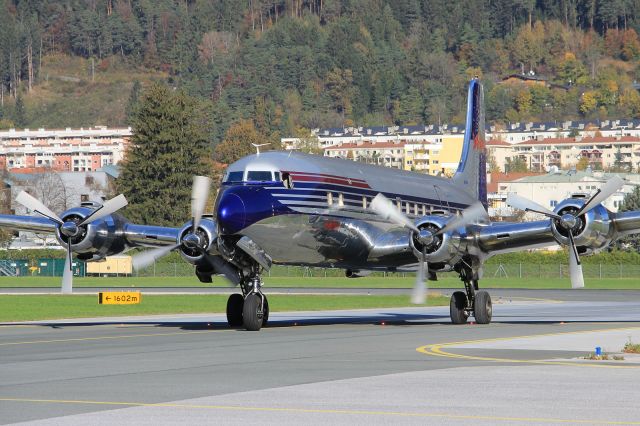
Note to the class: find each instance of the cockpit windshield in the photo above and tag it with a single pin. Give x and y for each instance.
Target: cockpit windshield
(234, 177)
(259, 176)
(253, 176)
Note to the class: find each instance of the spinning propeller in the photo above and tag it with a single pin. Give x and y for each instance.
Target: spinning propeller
(70, 228)
(428, 238)
(193, 240)
(571, 221)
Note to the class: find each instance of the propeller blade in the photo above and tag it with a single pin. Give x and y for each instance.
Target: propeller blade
(110, 206)
(199, 197)
(419, 293)
(146, 258)
(67, 274)
(608, 189)
(575, 266)
(37, 206)
(521, 203)
(385, 208)
(468, 216)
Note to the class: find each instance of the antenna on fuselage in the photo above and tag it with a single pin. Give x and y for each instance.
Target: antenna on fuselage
(258, 147)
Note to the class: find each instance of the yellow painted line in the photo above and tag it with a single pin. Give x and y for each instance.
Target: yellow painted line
(129, 336)
(325, 411)
(437, 350)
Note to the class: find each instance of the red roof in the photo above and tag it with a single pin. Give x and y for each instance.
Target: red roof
(573, 141)
(498, 142)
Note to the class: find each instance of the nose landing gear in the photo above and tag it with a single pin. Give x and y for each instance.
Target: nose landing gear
(251, 308)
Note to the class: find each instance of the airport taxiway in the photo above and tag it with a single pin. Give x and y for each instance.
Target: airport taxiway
(337, 367)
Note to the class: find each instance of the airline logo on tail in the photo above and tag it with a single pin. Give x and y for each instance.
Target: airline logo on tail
(478, 143)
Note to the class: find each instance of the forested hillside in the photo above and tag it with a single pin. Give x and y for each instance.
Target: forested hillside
(287, 65)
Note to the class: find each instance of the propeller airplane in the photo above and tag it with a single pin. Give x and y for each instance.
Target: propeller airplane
(291, 208)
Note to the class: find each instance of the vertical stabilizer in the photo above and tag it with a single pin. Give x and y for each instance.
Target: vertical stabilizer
(472, 170)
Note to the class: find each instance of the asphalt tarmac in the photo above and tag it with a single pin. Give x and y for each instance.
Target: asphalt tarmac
(406, 365)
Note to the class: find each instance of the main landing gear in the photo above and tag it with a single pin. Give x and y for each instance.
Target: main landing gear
(470, 302)
(251, 308)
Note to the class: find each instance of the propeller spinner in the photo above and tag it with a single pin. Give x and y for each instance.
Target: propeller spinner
(70, 228)
(570, 222)
(426, 237)
(192, 240)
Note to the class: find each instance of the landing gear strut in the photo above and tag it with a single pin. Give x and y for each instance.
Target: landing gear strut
(470, 302)
(251, 308)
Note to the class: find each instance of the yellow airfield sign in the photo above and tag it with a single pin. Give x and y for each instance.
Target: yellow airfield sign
(119, 297)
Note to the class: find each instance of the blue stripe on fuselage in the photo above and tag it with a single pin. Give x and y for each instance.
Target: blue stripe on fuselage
(260, 202)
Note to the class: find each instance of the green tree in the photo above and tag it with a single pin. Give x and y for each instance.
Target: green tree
(20, 113)
(515, 164)
(133, 100)
(168, 147)
(631, 201)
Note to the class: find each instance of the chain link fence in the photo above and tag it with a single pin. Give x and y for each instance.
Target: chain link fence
(122, 268)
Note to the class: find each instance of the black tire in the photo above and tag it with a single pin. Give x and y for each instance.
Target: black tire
(235, 303)
(251, 314)
(265, 312)
(482, 309)
(457, 307)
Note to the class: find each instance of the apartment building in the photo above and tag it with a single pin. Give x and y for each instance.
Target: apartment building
(601, 153)
(68, 150)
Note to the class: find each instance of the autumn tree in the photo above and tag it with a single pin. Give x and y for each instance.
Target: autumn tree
(238, 142)
(582, 164)
(515, 164)
(168, 147)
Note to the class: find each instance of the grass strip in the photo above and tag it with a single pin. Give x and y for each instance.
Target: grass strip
(322, 282)
(40, 307)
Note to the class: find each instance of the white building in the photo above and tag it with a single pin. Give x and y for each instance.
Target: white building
(550, 189)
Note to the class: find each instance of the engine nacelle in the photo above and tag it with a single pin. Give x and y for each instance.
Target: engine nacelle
(594, 230)
(98, 239)
(207, 231)
(447, 248)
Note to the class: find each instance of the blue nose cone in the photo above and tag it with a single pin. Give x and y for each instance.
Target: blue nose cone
(231, 213)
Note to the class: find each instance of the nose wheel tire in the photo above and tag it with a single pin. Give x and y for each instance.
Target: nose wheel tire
(482, 307)
(252, 313)
(457, 308)
(265, 312)
(235, 305)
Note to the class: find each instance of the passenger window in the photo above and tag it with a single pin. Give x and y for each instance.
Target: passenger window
(276, 176)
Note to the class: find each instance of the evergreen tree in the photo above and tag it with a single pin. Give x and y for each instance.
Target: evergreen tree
(20, 113)
(133, 100)
(631, 202)
(169, 146)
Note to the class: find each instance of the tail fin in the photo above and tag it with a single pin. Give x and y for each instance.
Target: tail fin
(472, 170)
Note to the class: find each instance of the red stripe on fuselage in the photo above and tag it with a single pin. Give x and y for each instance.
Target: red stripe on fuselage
(322, 178)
